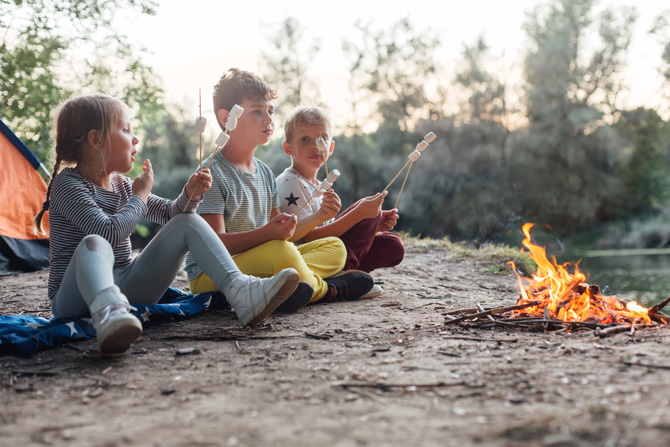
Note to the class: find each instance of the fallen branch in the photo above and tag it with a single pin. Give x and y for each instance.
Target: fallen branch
(655, 309)
(389, 386)
(498, 310)
(602, 333)
(645, 365)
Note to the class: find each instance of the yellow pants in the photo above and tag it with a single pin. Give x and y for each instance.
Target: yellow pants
(314, 261)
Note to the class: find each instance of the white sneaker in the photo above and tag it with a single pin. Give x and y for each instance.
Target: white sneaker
(254, 298)
(374, 292)
(115, 327)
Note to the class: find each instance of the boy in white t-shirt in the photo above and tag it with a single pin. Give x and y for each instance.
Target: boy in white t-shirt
(363, 227)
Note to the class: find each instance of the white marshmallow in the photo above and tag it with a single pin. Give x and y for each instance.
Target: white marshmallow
(325, 185)
(334, 174)
(222, 139)
(200, 123)
(231, 123)
(430, 136)
(414, 156)
(422, 146)
(236, 111)
(318, 193)
(321, 145)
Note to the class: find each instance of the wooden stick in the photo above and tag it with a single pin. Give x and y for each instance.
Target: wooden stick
(659, 306)
(200, 112)
(325, 164)
(396, 176)
(472, 316)
(497, 310)
(303, 205)
(403, 185)
(602, 333)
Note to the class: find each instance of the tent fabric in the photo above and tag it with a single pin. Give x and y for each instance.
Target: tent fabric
(27, 335)
(22, 191)
(20, 256)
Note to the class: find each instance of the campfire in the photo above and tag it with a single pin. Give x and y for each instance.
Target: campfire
(556, 299)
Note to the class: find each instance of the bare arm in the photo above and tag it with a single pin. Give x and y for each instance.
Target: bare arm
(367, 208)
(281, 226)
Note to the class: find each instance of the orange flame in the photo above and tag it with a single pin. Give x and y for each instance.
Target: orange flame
(566, 296)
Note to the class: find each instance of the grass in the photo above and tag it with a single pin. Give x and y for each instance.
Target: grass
(496, 257)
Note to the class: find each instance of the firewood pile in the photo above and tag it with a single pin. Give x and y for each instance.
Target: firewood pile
(535, 316)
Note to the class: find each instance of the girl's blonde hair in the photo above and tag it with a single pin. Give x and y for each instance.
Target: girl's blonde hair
(74, 120)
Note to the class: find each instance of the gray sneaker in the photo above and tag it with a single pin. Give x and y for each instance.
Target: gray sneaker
(254, 298)
(115, 327)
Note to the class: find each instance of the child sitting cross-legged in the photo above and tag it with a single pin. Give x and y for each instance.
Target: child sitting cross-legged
(363, 227)
(92, 211)
(243, 207)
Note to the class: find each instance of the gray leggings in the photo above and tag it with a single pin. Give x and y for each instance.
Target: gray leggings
(146, 278)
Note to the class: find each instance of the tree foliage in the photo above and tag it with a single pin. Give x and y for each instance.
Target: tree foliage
(51, 49)
(396, 69)
(286, 63)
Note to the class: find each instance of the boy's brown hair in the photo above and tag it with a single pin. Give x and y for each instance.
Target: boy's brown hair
(305, 116)
(237, 85)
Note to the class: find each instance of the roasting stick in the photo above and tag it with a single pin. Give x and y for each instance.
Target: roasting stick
(323, 187)
(403, 185)
(323, 148)
(414, 156)
(221, 140)
(200, 123)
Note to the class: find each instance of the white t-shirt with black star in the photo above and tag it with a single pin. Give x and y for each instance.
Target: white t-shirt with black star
(293, 190)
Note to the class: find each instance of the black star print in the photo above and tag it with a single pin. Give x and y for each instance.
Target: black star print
(292, 200)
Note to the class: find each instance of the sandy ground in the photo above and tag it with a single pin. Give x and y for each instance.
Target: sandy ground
(379, 372)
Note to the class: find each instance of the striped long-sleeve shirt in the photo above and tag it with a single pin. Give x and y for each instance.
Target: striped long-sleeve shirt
(78, 208)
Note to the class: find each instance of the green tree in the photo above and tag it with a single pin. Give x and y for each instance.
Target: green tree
(50, 49)
(645, 174)
(396, 70)
(661, 29)
(565, 163)
(286, 63)
(486, 93)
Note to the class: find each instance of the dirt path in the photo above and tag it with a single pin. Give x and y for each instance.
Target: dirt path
(380, 372)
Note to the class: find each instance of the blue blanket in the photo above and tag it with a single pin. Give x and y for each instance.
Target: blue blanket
(26, 334)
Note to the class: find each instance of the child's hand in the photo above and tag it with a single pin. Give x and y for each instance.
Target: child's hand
(330, 206)
(199, 183)
(369, 207)
(144, 182)
(389, 219)
(282, 226)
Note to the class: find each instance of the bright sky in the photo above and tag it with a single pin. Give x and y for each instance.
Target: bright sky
(193, 43)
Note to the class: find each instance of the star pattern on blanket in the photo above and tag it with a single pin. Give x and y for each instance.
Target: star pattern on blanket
(292, 200)
(27, 334)
(73, 330)
(145, 316)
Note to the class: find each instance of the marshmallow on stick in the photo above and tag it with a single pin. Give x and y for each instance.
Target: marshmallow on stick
(323, 187)
(414, 156)
(322, 147)
(221, 140)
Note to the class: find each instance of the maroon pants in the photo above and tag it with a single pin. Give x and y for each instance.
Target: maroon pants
(367, 250)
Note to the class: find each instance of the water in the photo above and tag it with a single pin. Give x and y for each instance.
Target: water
(640, 275)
